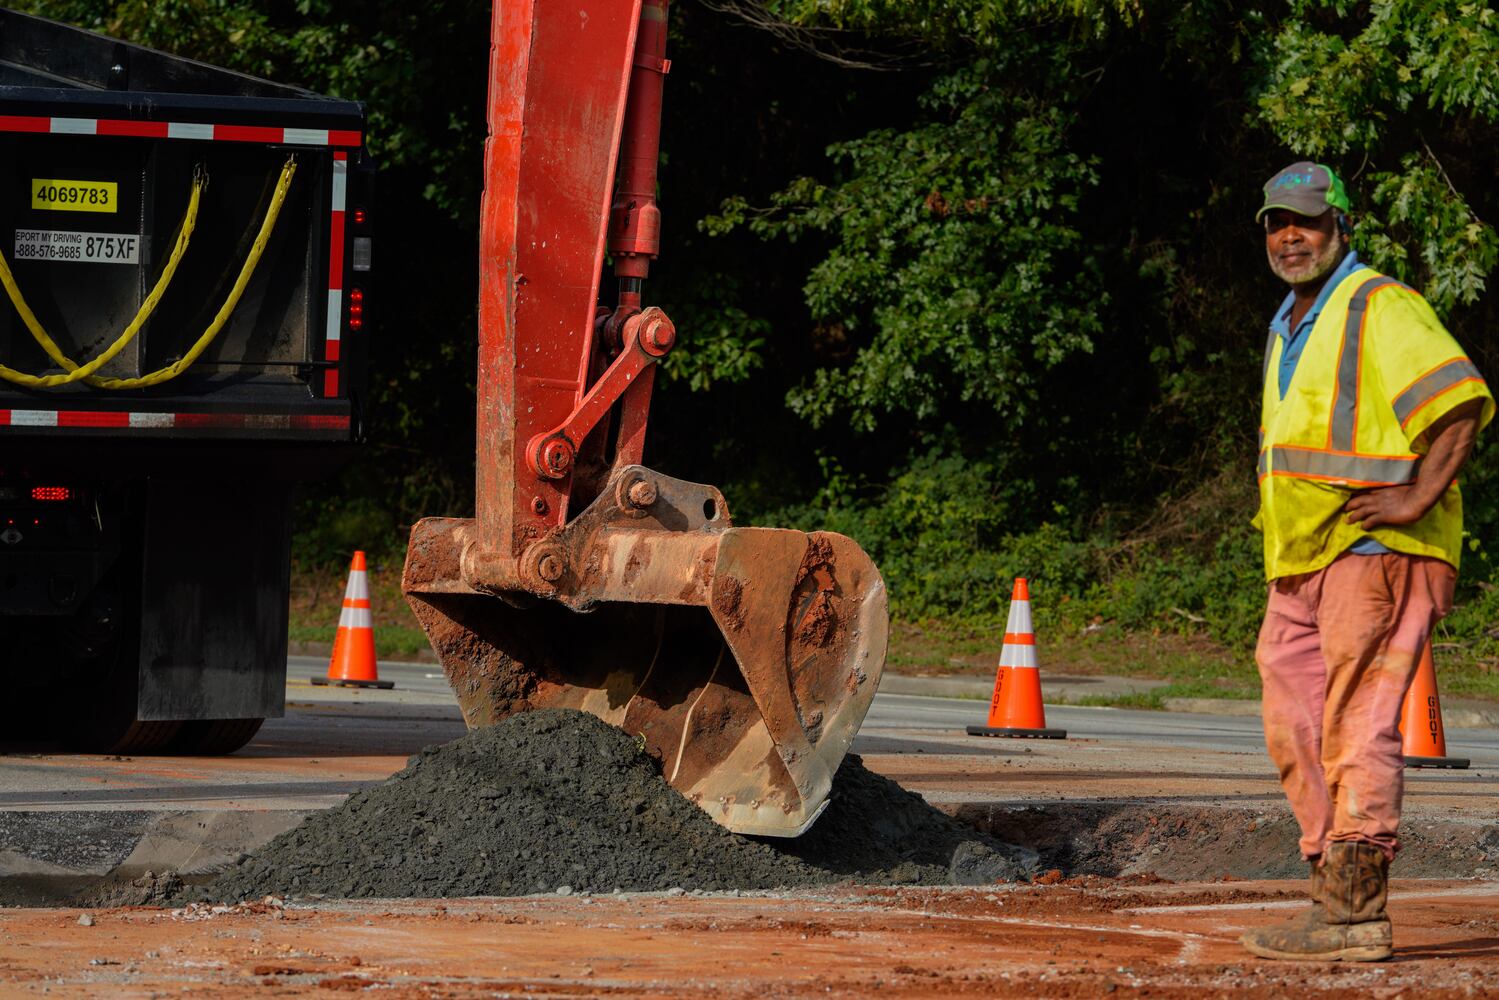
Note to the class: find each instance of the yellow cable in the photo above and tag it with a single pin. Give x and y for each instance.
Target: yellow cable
(74, 372)
(246, 272)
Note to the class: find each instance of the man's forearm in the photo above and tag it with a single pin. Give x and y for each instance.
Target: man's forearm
(1451, 444)
(1451, 440)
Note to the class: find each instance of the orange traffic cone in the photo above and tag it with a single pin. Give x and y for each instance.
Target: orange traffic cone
(1423, 741)
(353, 661)
(1016, 708)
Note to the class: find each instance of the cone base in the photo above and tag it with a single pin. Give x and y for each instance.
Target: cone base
(1456, 763)
(1031, 734)
(325, 682)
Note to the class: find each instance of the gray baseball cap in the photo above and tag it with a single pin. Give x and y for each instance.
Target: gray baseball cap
(1305, 188)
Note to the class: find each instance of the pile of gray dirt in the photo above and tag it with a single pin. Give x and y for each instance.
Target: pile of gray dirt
(558, 800)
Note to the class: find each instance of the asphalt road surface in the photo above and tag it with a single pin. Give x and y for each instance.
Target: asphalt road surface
(1182, 729)
(333, 741)
(910, 715)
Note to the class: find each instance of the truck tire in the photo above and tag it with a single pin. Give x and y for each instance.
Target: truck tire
(214, 737)
(108, 723)
(128, 736)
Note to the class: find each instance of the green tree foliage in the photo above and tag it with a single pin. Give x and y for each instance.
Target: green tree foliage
(1350, 86)
(990, 25)
(1110, 294)
(982, 286)
(1327, 80)
(955, 244)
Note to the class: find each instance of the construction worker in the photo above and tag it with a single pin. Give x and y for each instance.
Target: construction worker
(1369, 410)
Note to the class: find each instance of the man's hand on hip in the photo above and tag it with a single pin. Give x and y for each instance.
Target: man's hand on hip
(1390, 505)
(1451, 443)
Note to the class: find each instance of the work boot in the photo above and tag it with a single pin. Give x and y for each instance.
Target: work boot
(1346, 921)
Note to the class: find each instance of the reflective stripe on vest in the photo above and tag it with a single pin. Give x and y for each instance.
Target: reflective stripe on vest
(1342, 435)
(1431, 385)
(1338, 467)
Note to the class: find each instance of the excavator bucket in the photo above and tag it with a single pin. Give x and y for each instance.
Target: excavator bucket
(743, 659)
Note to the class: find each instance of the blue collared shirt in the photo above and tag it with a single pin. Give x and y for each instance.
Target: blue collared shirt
(1293, 341)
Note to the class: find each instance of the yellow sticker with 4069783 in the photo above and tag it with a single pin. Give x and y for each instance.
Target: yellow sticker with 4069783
(75, 196)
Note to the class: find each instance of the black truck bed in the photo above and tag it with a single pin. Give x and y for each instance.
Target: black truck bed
(99, 143)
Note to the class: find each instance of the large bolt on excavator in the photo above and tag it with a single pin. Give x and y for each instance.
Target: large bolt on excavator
(744, 658)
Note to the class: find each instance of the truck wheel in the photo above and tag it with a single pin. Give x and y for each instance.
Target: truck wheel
(108, 723)
(128, 736)
(214, 737)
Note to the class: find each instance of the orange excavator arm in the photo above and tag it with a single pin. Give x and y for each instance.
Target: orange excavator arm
(744, 658)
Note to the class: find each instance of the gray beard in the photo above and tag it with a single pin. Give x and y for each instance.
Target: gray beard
(1322, 265)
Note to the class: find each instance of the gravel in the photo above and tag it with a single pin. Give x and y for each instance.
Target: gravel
(556, 800)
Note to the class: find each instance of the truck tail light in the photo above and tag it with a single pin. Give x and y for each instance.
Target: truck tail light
(356, 309)
(51, 494)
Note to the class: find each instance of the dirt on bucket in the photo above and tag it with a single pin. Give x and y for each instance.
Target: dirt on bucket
(559, 801)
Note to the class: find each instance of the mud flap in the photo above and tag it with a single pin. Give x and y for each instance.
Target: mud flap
(214, 609)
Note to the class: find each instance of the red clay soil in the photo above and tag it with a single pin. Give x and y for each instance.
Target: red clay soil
(1073, 938)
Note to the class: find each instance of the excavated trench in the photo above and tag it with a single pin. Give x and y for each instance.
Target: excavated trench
(556, 800)
(1194, 842)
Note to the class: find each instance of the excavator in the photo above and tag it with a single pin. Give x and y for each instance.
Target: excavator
(743, 659)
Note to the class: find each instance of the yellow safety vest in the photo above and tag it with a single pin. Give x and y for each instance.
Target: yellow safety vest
(1377, 371)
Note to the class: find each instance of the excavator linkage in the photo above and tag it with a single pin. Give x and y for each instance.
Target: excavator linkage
(744, 659)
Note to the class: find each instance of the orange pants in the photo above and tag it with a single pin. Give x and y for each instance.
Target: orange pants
(1337, 652)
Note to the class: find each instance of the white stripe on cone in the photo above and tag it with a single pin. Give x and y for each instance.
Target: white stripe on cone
(1020, 618)
(1016, 655)
(356, 618)
(357, 590)
(359, 586)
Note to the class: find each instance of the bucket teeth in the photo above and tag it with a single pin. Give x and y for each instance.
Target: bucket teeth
(744, 659)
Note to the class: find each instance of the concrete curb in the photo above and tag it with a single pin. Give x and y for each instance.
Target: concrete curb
(1212, 706)
(1453, 716)
(1458, 714)
(1462, 714)
(424, 657)
(982, 688)
(39, 867)
(1458, 717)
(936, 687)
(192, 843)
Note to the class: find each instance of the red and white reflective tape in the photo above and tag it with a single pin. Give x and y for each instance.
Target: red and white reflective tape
(331, 343)
(181, 130)
(120, 419)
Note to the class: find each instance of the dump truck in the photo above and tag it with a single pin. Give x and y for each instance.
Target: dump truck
(744, 659)
(184, 255)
